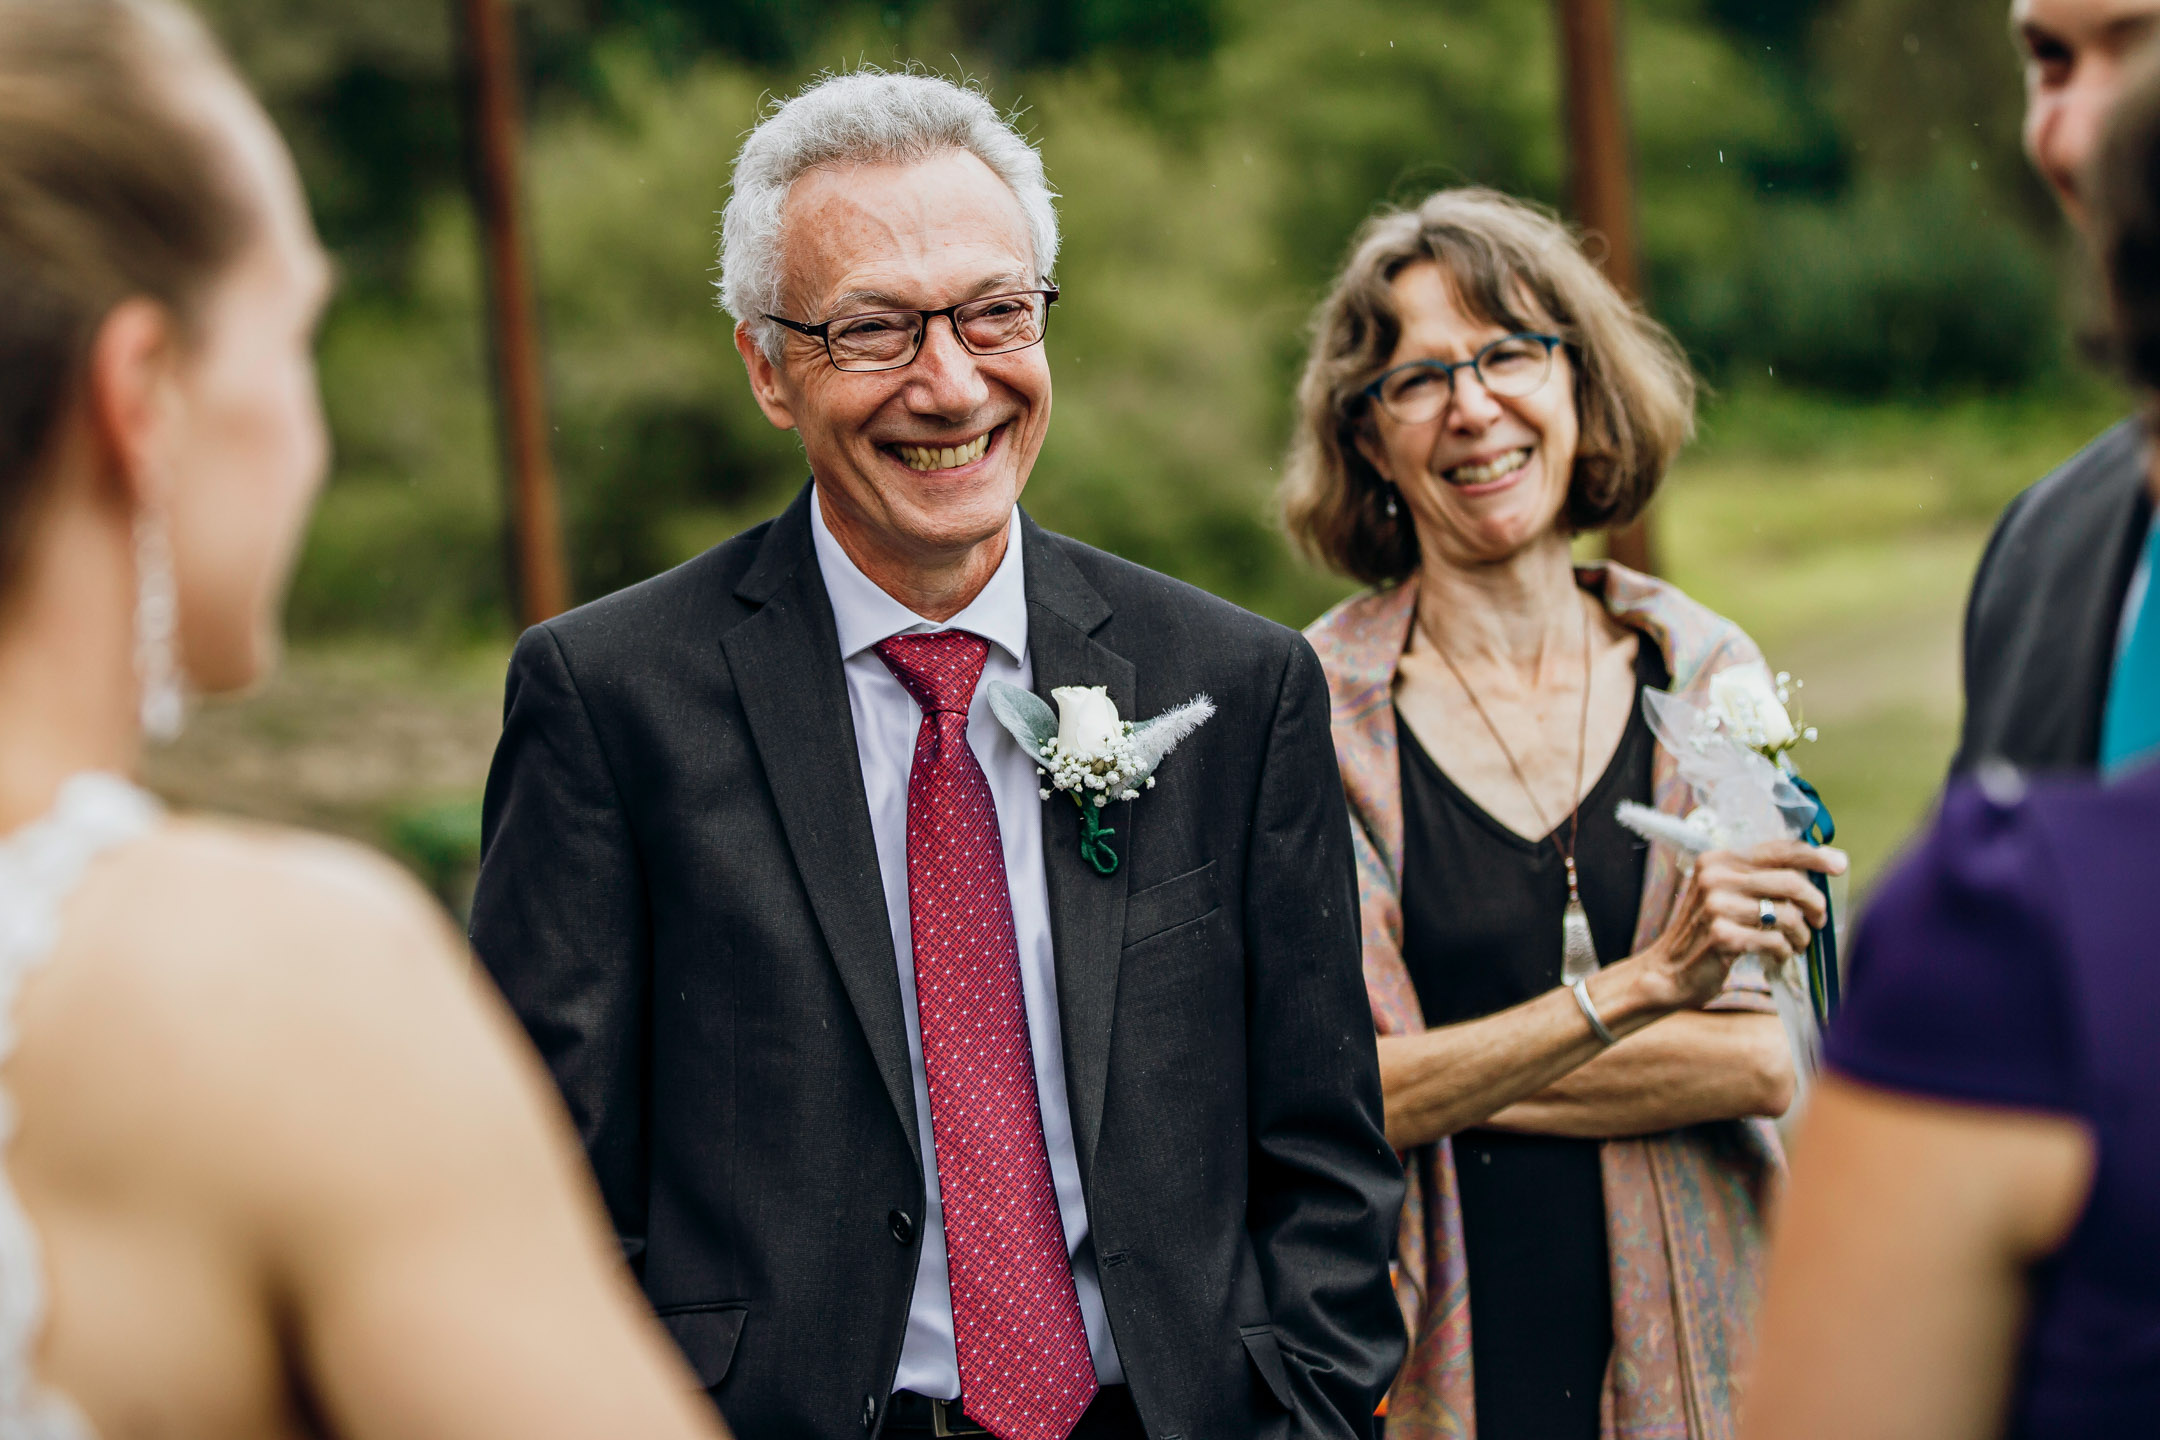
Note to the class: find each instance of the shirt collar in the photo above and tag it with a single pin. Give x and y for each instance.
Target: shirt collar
(864, 614)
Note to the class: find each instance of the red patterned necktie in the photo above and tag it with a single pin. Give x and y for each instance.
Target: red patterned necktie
(1025, 1370)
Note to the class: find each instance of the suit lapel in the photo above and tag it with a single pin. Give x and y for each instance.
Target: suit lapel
(1087, 910)
(787, 669)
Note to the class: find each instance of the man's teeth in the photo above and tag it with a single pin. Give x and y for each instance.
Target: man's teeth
(943, 457)
(1492, 470)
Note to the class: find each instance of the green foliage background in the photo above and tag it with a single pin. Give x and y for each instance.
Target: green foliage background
(1831, 198)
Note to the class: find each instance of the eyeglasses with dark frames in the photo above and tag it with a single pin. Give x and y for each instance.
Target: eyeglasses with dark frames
(891, 339)
(1514, 366)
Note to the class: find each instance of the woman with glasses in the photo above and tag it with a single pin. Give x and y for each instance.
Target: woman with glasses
(1579, 1083)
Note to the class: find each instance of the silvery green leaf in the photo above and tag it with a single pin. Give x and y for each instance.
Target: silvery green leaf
(1154, 739)
(1023, 713)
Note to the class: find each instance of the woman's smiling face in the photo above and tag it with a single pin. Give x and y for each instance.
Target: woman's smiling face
(1488, 477)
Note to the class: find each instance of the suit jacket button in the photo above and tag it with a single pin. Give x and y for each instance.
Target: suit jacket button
(869, 1411)
(903, 1227)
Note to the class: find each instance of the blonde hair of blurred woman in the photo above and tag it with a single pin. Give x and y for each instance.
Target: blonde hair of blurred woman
(278, 1163)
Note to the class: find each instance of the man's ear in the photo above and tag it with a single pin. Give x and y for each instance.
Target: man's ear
(764, 378)
(131, 397)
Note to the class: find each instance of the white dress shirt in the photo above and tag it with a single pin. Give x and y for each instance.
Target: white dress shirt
(886, 721)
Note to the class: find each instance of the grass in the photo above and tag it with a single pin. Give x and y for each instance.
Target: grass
(1844, 539)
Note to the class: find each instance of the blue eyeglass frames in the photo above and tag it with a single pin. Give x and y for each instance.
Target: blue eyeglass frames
(1514, 366)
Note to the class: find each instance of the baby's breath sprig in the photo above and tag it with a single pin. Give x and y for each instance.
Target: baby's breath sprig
(1113, 775)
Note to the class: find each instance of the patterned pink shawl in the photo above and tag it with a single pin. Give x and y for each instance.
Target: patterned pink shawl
(1683, 1211)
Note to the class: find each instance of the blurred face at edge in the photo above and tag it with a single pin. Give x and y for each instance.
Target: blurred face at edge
(2076, 54)
(239, 453)
(925, 462)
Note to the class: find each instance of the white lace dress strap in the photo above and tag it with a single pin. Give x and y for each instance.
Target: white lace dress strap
(40, 866)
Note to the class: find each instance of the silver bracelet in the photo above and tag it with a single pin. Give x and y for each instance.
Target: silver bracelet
(1581, 990)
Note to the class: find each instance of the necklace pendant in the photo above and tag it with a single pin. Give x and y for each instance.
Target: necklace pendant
(1578, 952)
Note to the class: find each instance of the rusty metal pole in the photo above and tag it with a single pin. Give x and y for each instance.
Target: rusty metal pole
(1601, 181)
(538, 574)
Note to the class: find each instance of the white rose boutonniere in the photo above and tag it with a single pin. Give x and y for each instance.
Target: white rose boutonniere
(1092, 754)
(1088, 724)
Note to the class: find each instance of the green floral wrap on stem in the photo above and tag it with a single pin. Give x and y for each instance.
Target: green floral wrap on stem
(1095, 839)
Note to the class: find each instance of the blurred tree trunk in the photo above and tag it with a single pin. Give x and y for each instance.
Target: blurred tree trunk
(1601, 181)
(538, 575)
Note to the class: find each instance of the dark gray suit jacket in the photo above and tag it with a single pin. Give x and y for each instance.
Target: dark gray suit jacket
(680, 897)
(2046, 604)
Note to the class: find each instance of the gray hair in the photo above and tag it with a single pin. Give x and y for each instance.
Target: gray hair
(872, 117)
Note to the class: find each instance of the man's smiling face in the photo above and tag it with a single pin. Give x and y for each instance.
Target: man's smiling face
(922, 464)
(2075, 55)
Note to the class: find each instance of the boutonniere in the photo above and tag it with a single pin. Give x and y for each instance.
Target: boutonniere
(1087, 751)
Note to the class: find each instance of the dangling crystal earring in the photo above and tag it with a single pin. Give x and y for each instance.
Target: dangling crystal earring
(157, 624)
(1391, 502)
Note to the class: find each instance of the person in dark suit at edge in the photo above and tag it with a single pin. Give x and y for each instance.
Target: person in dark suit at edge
(911, 1119)
(2064, 579)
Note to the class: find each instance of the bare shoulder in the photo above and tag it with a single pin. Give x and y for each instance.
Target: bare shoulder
(263, 878)
(207, 927)
(251, 992)
(200, 902)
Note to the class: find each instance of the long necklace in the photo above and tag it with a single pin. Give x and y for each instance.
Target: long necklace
(1578, 952)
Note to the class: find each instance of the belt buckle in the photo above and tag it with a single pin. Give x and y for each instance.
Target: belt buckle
(945, 1414)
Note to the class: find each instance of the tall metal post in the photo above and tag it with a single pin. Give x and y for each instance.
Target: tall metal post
(539, 577)
(1601, 182)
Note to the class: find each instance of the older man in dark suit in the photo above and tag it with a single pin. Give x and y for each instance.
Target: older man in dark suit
(911, 1118)
(2060, 591)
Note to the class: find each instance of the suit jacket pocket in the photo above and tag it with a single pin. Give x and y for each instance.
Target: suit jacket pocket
(1178, 901)
(706, 1335)
(1265, 1352)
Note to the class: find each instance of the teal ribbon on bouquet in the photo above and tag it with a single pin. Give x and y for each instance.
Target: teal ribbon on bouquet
(1822, 957)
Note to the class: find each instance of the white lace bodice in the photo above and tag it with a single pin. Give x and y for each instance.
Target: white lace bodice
(40, 866)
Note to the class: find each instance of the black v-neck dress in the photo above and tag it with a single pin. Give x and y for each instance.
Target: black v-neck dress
(1481, 933)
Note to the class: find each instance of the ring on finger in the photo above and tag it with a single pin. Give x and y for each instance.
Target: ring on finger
(1767, 915)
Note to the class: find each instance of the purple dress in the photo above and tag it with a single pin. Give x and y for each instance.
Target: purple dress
(2014, 961)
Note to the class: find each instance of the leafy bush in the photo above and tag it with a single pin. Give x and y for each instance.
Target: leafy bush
(1902, 291)
(441, 842)
(1204, 211)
